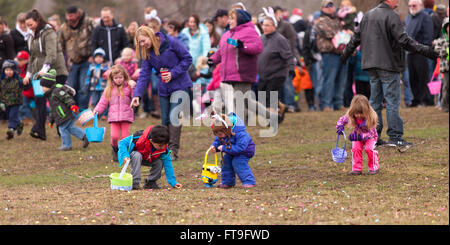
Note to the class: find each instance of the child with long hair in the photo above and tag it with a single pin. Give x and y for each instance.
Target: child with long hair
(363, 119)
(117, 95)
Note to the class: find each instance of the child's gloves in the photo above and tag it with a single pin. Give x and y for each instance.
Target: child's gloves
(340, 129)
(355, 137)
(240, 44)
(74, 108)
(210, 62)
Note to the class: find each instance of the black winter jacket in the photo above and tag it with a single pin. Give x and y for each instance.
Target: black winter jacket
(383, 39)
(105, 37)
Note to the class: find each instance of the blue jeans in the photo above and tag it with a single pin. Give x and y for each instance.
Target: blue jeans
(236, 165)
(316, 78)
(386, 85)
(95, 98)
(77, 80)
(334, 79)
(407, 93)
(25, 110)
(13, 116)
(66, 129)
(288, 93)
(167, 107)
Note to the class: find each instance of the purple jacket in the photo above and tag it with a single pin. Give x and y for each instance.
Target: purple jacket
(239, 65)
(175, 57)
(119, 107)
(360, 129)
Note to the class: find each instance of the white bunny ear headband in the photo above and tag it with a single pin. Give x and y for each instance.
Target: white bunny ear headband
(213, 115)
(270, 13)
(153, 15)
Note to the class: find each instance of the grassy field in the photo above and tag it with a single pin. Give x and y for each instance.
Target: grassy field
(297, 181)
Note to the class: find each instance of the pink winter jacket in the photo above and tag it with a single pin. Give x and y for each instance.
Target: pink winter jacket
(119, 107)
(360, 129)
(239, 65)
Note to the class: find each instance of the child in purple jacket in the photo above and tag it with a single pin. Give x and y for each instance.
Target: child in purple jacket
(363, 119)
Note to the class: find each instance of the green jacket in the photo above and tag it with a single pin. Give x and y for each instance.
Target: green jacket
(60, 98)
(11, 91)
(45, 49)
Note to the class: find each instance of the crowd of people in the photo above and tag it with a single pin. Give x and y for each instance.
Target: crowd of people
(332, 55)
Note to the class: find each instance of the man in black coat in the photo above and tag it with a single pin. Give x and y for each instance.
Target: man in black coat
(383, 39)
(110, 36)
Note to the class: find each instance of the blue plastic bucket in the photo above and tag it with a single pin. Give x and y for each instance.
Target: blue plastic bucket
(95, 134)
(37, 88)
(338, 154)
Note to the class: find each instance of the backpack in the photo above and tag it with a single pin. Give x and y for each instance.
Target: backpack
(143, 145)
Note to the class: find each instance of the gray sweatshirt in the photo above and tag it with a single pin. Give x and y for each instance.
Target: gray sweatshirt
(276, 59)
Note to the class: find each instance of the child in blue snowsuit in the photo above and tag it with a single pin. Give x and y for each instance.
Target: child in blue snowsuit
(232, 139)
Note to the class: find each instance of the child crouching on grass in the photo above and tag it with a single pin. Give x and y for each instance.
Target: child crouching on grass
(363, 119)
(232, 139)
(148, 147)
(62, 107)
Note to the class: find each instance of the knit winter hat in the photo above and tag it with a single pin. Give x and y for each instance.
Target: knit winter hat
(100, 51)
(49, 79)
(242, 17)
(9, 64)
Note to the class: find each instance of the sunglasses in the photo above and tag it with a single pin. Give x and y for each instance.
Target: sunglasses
(329, 5)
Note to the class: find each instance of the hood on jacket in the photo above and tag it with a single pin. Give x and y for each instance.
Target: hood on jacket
(115, 25)
(238, 124)
(242, 17)
(9, 64)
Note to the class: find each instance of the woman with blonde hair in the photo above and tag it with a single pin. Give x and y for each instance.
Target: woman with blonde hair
(170, 59)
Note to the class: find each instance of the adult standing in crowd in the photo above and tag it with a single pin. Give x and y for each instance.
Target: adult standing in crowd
(238, 64)
(174, 29)
(287, 30)
(382, 37)
(6, 44)
(221, 20)
(45, 53)
(213, 35)
(274, 62)
(109, 35)
(159, 51)
(75, 38)
(334, 73)
(419, 27)
(19, 34)
(131, 31)
(199, 42)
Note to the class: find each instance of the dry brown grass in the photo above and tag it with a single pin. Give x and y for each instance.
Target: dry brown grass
(297, 182)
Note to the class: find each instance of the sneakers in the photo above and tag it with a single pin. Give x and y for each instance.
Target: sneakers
(136, 186)
(399, 143)
(380, 142)
(64, 148)
(355, 172)
(85, 141)
(151, 185)
(372, 172)
(10, 133)
(20, 128)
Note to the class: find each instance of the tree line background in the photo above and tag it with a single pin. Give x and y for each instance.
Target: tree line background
(128, 10)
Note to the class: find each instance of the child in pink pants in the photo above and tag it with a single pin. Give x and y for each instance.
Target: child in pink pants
(117, 95)
(363, 119)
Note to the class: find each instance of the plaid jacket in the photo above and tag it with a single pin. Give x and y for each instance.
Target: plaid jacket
(441, 46)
